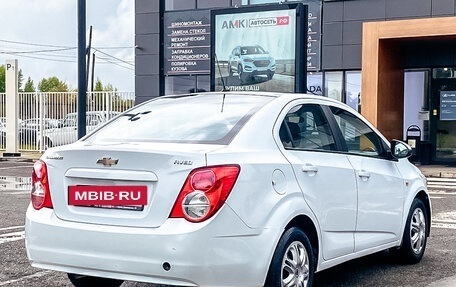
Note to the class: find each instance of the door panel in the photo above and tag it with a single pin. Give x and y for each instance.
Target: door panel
(380, 187)
(380, 201)
(326, 178)
(327, 181)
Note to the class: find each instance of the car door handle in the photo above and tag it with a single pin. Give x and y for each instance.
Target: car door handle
(309, 168)
(365, 175)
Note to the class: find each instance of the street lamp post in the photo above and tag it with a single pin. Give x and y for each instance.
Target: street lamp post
(82, 78)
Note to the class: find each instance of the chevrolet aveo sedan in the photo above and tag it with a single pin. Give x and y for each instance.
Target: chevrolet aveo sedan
(225, 189)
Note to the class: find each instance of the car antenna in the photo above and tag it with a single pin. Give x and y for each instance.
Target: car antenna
(224, 89)
(223, 102)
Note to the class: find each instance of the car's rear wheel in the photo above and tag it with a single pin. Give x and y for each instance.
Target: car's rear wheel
(415, 234)
(293, 261)
(89, 281)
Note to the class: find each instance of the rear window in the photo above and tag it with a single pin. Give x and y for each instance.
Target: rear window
(203, 118)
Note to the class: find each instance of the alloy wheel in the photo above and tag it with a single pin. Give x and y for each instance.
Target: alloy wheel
(295, 266)
(418, 230)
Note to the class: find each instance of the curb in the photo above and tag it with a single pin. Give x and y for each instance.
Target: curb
(18, 159)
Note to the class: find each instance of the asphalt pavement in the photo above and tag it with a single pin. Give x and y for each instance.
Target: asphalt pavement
(437, 268)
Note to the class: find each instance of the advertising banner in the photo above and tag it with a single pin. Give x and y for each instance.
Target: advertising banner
(187, 39)
(313, 35)
(448, 105)
(257, 50)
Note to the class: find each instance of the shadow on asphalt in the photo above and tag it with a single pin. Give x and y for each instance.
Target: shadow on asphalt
(360, 272)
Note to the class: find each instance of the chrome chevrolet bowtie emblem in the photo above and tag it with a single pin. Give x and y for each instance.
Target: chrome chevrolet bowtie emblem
(107, 161)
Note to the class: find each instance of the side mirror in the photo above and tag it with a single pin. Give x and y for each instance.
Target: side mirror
(400, 149)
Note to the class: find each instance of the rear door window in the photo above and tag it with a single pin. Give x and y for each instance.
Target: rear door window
(306, 127)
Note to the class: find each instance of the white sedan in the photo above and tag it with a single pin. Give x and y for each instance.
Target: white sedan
(225, 189)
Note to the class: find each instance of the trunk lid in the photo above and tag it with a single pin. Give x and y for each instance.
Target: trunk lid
(163, 168)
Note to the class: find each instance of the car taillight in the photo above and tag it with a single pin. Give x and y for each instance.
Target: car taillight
(41, 196)
(204, 192)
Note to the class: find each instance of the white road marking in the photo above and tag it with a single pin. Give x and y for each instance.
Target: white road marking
(443, 225)
(14, 233)
(444, 220)
(36, 275)
(445, 282)
(441, 183)
(449, 216)
(17, 192)
(12, 227)
(438, 186)
(12, 236)
(441, 192)
(19, 166)
(441, 179)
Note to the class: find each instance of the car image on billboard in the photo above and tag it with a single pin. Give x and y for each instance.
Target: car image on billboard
(249, 62)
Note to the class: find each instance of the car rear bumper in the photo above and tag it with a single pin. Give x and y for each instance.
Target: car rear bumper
(199, 254)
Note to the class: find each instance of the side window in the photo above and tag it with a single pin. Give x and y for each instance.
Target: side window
(359, 137)
(70, 121)
(306, 127)
(92, 120)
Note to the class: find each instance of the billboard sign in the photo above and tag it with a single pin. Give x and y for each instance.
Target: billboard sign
(313, 35)
(187, 39)
(448, 105)
(259, 48)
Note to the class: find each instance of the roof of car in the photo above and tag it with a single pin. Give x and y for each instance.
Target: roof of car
(264, 94)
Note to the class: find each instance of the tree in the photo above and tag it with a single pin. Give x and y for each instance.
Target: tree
(2, 78)
(20, 80)
(98, 86)
(109, 88)
(29, 86)
(52, 84)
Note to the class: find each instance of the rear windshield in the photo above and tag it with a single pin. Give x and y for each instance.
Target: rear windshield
(203, 118)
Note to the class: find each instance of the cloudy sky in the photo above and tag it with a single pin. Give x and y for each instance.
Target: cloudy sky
(42, 36)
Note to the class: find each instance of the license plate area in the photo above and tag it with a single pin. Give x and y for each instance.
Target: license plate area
(124, 197)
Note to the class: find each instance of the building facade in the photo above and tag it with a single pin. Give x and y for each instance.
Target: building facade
(393, 60)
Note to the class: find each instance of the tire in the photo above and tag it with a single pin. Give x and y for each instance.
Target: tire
(415, 234)
(293, 263)
(230, 70)
(270, 75)
(89, 281)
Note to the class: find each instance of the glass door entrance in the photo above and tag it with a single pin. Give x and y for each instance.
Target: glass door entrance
(443, 115)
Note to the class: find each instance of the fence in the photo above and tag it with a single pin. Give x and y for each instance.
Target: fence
(50, 119)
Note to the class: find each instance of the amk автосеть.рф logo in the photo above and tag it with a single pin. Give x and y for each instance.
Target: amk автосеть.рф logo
(257, 22)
